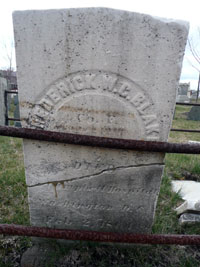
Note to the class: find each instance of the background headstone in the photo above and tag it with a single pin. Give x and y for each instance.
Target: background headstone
(193, 95)
(183, 88)
(3, 87)
(194, 114)
(183, 92)
(101, 72)
(16, 111)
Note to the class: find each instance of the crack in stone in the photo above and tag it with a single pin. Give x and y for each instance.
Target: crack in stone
(96, 174)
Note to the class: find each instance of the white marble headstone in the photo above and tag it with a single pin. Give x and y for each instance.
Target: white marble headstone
(101, 72)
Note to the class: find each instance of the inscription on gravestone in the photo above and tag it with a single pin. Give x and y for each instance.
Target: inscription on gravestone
(99, 72)
(72, 96)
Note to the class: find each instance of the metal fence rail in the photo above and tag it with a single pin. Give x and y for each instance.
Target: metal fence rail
(21, 230)
(97, 141)
(187, 104)
(185, 130)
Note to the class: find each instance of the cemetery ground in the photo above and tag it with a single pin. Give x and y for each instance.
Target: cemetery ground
(14, 209)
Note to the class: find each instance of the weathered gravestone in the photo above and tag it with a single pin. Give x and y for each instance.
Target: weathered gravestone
(3, 87)
(183, 89)
(194, 114)
(102, 72)
(16, 111)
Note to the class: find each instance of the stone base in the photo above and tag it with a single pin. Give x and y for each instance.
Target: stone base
(45, 254)
(75, 253)
(47, 251)
(36, 256)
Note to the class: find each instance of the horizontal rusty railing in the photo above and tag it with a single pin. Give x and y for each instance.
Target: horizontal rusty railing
(83, 235)
(97, 141)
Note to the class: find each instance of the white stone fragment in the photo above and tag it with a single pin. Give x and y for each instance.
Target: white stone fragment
(188, 205)
(188, 190)
(189, 218)
(193, 142)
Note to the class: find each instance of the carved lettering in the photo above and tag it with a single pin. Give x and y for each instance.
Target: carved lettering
(53, 95)
(141, 103)
(79, 83)
(70, 85)
(108, 189)
(104, 83)
(89, 81)
(149, 119)
(63, 89)
(108, 82)
(138, 100)
(152, 129)
(78, 206)
(46, 104)
(124, 90)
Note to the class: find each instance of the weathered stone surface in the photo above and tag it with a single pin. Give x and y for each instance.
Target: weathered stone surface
(113, 200)
(189, 218)
(73, 162)
(98, 72)
(3, 86)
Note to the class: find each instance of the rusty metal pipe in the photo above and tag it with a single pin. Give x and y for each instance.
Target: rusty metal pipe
(83, 235)
(87, 140)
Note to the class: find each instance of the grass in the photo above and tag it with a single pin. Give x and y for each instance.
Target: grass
(180, 122)
(14, 209)
(13, 197)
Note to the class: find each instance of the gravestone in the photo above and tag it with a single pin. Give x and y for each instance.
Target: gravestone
(183, 88)
(3, 87)
(9, 101)
(182, 96)
(101, 72)
(16, 111)
(194, 114)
